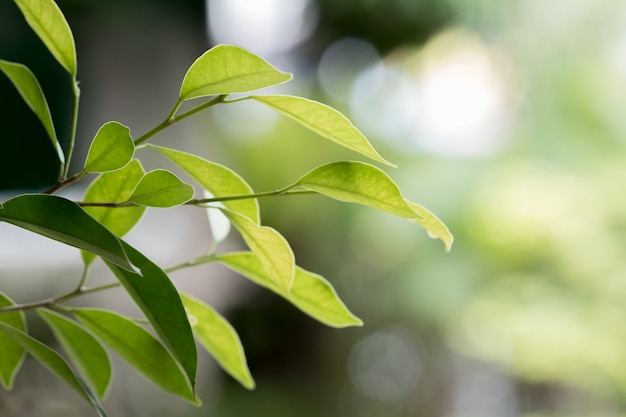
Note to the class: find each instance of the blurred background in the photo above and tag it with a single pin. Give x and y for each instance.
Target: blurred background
(505, 119)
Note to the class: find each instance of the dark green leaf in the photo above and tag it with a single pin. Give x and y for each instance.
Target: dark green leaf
(48, 22)
(227, 69)
(115, 186)
(62, 220)
(30, 90)
(325, 121)
(310, 292)
(139, 348)
(160, 302)
(84, 350)
(219, 338)
(54, 362)
(12, 354)
(270, 247)
(217, 179)
(161, 188)
(112, 148)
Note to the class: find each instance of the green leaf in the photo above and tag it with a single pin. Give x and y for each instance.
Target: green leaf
(310, 292)
(217, 179)
(219, 338)
(139, 348)
(12, 354)
(158, 299)
(227, 69)
(84, 350)
(325, 121)
(357, 182)
(435, 227)
(114, 186)
(54, 362)
(48, 22)
(111, 149)
(30, 90)
(63, 220)
(161, 188)
(270, 247)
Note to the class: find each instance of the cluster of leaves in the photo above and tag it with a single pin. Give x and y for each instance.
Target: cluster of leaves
(161, 346)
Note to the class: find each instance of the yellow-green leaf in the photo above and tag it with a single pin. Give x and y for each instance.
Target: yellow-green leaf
(111, 149)
(12, 354)
(325, 121)
(219, 338)
(227, 69)
(48, 22)
(435, 227)
(161, 188)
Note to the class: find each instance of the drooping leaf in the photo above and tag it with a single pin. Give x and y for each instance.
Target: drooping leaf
(357, 182)
(30, 90)
(219, 338)
(112, 148)
(63, 220)
(161, 188)
(310, 292)
(435, 227)
(139, 348)
(84, 350)
(218, 222)
(270, 247)
(323, 120)
(158, 299)
(227, 69)
(217, 179)
(12, 354)
(115, 186)
(48, 22)
(54, 362)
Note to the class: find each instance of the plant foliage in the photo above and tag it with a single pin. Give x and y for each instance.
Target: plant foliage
(161, 346)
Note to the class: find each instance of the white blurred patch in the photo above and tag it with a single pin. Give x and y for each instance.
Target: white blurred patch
(219, 223)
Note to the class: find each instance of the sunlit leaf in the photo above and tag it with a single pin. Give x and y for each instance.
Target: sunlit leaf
(270, 247)
(63, 220)
(218, 222)
(217, 179)
(161, 188)
(310, 292)
(435, 227)
(84, 350)
(48, 22)
(158, 299)
(12, 354)
(219, 338)
(54, 362)
(356, 182)
(325, 121)
(115, 186)
(139, 348)
(112, 148)
(227, 69)
(30, 90)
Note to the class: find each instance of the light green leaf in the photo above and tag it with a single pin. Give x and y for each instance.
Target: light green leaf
(161, 188)
(218, 222)
(227, 69)
(84, 350)
(12, 354)
(139, 348)
(111, 149)
(158, 299)
(270, 247)
(48, 22)
(357, 182)
(114, 186)
(217, 179)
(30, 90)
(310, 292)
(435, 227)
(63, 220)
(54, 362)
(219, 338)
(325, 121)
